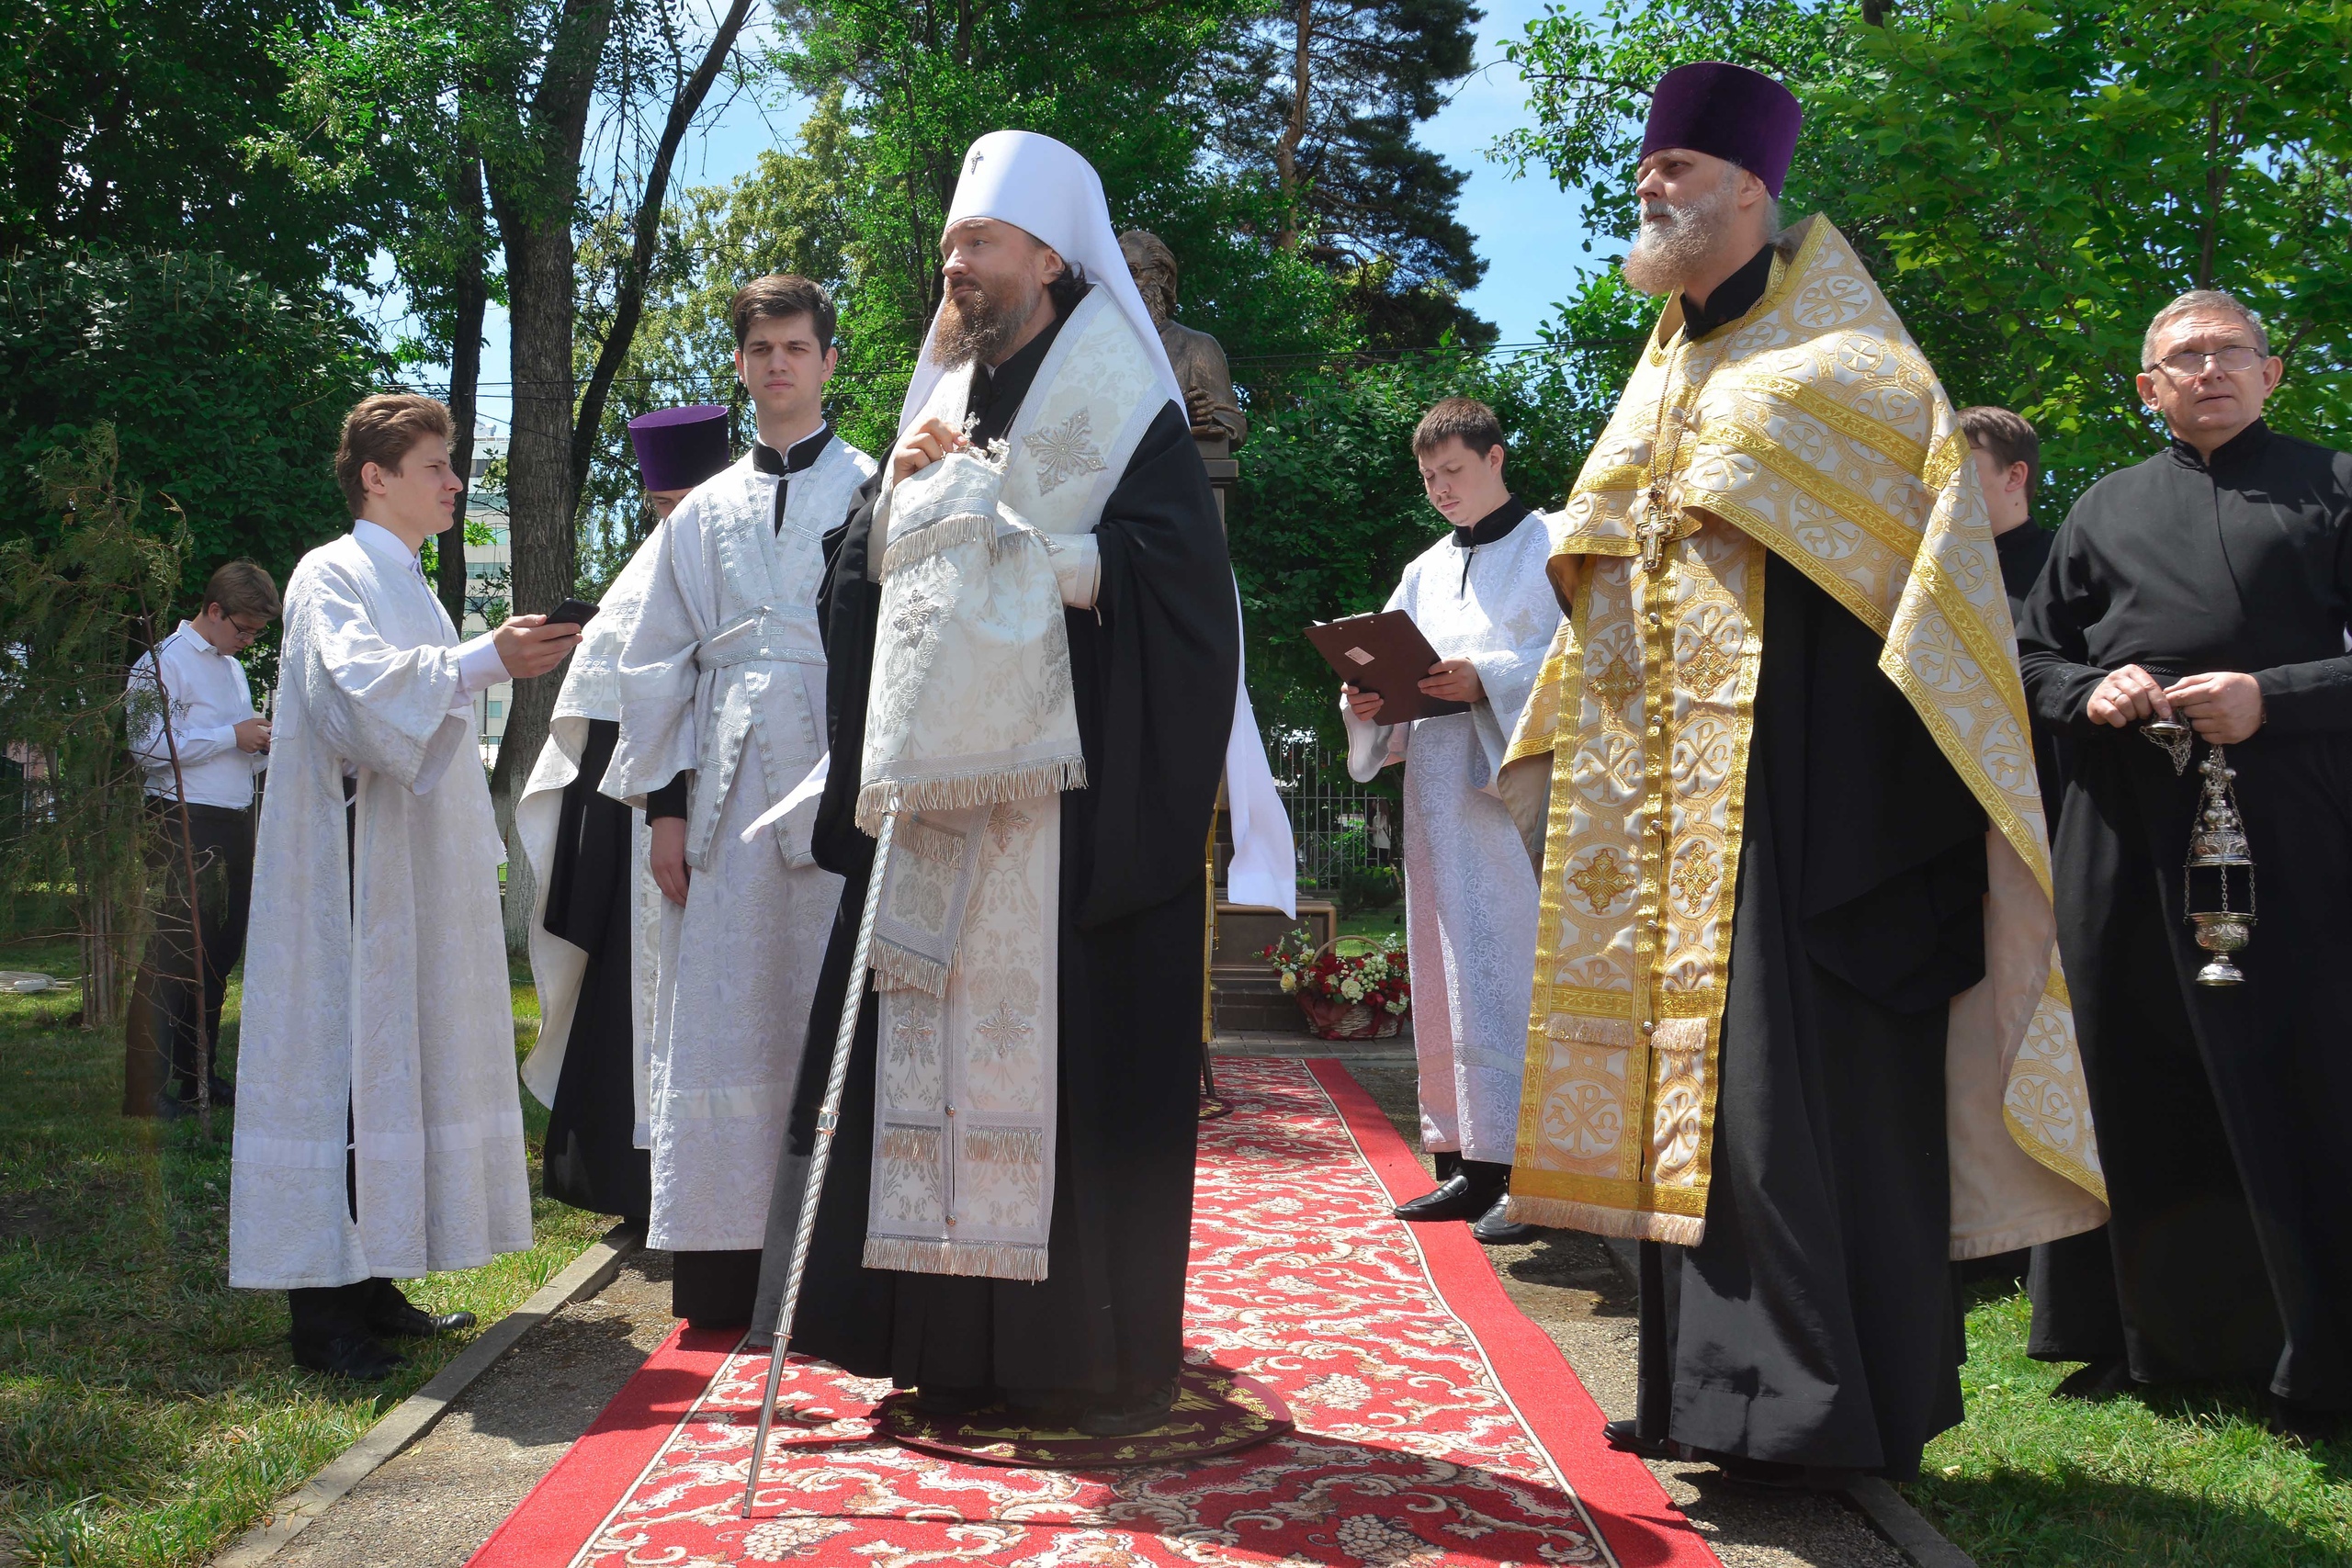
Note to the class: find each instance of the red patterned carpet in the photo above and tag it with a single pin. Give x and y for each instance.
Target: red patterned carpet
(1435, 1424)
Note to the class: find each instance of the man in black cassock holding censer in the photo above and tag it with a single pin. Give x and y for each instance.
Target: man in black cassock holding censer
(2210, 584)
(1032, 648)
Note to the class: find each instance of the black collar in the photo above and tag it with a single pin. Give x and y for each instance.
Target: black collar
(998, 392)
(2247, 443)
(1495, 524)
(805, 451)
(1732, 297)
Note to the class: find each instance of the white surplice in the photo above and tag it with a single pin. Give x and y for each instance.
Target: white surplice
(724, 675)
(591, 690)
(375, 979)
(1470, 890)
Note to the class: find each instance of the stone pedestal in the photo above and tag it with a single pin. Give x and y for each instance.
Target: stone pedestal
(1224, 472)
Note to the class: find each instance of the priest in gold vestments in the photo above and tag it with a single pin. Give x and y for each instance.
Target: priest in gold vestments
(1797, 1025)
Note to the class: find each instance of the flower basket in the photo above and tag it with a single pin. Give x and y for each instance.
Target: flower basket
(1352, 988)
(1327, 1019)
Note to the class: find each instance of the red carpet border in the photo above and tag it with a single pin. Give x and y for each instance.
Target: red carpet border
(1436, 1424)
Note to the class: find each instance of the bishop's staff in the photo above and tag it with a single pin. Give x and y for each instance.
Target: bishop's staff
(828, 1117)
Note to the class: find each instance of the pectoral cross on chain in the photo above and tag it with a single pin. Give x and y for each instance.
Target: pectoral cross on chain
(1655, 529)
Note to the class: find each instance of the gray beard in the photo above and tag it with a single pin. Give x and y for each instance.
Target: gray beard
(981, 332)
(1666, 255)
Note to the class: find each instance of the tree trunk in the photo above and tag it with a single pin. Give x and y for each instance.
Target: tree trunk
(1294, 133)
(536, 199)
(472, 293)
(540, 502)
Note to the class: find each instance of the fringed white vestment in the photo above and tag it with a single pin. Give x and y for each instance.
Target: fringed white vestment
(591, 690)
(971, 733)
(724, 675)
(377, 991)
(1470, 888)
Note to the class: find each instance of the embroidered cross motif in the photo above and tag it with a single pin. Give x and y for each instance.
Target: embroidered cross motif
(1601, 880)
(1694, 877)
(1004, 1030)
(1063, 452)
(1710, 662)
(1615, 682)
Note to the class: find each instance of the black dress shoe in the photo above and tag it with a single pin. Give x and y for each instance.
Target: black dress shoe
(1626, 1438)
(1146, 1414)
(1458, 1197)
(2097, 1382)
(1497, 1228)
(352, 1356)
(2302, 1422)
(952, 1402)
(393, 1316)
(1447, 1161)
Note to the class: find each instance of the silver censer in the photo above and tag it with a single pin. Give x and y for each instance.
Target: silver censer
(2217, 843)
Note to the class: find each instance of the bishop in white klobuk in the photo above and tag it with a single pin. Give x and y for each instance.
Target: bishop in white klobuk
(1036, 649)
(722, 689)
(379, 1130)
(1482, 600)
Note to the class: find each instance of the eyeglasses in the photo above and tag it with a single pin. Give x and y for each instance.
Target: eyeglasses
(2234, 358)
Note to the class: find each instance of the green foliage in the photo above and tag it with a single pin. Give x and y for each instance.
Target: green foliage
(2156, 1478)
(1329, 508)
(1122, 85)
(1330, 126)
(226, 394)
(123, 123)
(80, 602)
(2028, 179)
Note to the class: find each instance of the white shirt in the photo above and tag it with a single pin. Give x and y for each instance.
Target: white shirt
(208, 697)
(479, 666)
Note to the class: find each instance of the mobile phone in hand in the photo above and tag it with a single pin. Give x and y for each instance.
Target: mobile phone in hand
(578, 612)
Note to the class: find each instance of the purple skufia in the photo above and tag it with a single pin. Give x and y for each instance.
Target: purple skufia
(679, 448)
(1729, 111)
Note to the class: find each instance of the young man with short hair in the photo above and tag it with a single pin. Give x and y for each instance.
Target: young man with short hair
(722, 712)
(200, 768)
(1481, 597)
(379, 1133)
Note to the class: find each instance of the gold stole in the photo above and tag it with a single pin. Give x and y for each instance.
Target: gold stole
(1812, 428)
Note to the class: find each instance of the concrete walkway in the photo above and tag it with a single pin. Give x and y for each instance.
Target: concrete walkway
(440, 1499)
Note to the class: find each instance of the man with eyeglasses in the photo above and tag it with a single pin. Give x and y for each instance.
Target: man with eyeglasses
(2211, 584)
(191, 725)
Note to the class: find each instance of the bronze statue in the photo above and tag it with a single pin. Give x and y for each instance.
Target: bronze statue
(1218, 425)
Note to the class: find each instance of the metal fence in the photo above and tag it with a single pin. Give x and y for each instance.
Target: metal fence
(1337, 822)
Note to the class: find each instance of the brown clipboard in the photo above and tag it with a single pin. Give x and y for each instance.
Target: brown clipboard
(1385, 653)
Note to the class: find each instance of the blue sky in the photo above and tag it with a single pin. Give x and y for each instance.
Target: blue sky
(1528, 231)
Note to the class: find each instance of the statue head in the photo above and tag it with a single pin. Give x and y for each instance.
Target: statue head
(1154, 267)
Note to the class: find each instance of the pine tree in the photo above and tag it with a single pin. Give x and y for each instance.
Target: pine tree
(1323, 98)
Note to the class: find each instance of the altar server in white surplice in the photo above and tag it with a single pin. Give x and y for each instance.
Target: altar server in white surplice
(1484, 602)
(722, 688)
(379, 1133)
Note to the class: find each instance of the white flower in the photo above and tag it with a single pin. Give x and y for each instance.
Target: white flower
(778, 1539)
(1398, 1005)
(1289, 981)
(1352, 989)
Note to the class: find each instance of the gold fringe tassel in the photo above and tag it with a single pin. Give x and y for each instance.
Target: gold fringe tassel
(963, 528)
(1628, 1225)
(896, 968)
(960, 792)
(989, 1260)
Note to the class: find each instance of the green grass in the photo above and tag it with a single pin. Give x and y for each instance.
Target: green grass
(2156, 1480)
(148, 1413)
(1375, 923)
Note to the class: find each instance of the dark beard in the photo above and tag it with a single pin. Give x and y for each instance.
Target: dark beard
(980, 331)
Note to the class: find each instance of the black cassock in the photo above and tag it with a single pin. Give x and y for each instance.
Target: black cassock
(1816, 1323)
(1154, 676)
(2222, 1112)
(591, 1159)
